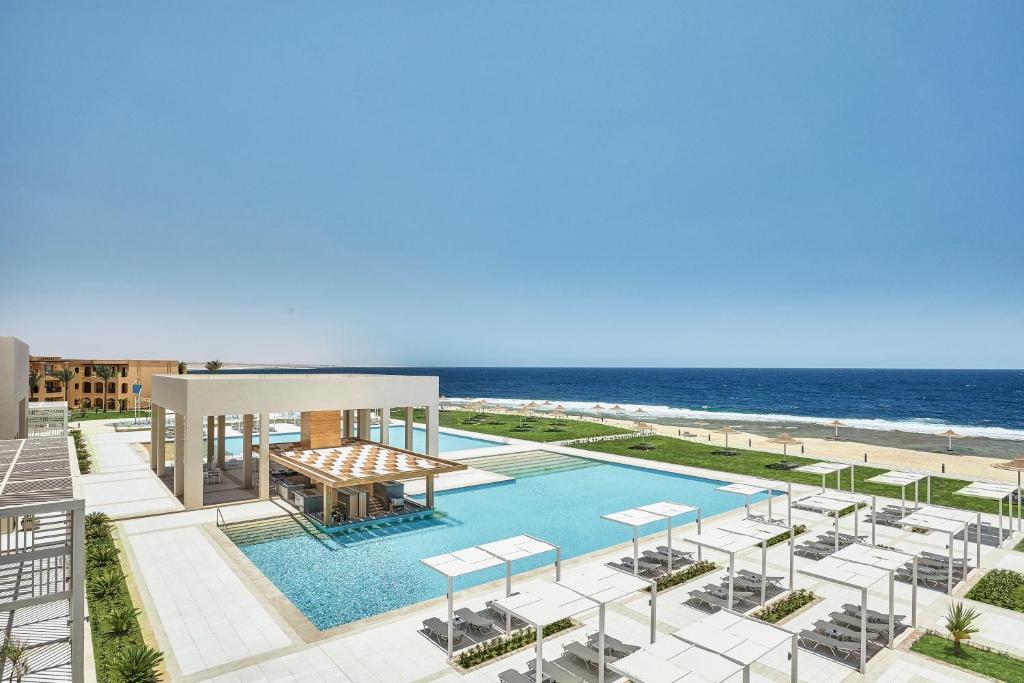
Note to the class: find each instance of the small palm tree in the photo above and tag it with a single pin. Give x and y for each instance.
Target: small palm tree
(64, 376)
(214, 365)
(136, 664)
(16, 654)
(105, 373)
(33, 380)
(960, 624)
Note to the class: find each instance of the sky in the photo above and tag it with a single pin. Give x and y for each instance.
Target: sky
(798, 184)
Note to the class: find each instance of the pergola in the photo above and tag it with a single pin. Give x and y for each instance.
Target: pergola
(860, 566)
(904, 479)
(835, 502)
(542, 604)
(637, 517)
(470, 560)
(671, 660)
(604, 584)
(738, 536)
(947, 520)
(748, 489)
(826, 468)
(739, 639)
(995, 491)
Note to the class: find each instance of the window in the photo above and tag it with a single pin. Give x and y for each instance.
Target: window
(76, 401)
(124, 372)
(124, 388)
(76, 387)
(76, 369)
(99, 387)
(88, 371)
(111, 388)
(111, 404)
(87, 388)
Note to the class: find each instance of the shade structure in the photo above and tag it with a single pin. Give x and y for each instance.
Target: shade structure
(786, 440)
(825, 468)
(540, 604)
(950, 435)
(903, 479)
(859, 567)
(994, 491)
(663, 511)
(949, 521)
(834, 502)
(727, 430)
(1015, 465)
(764, 531)
(604, 584)
(740, 639)
(597, 406)
(469, 560)
(754, 487)
(672, 660)
(616, 408)
(836, 424)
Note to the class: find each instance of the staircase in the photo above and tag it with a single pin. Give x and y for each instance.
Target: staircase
(530, 464)
(273, 529)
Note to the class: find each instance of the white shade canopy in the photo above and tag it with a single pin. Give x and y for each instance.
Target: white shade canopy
(674, 661)
(898, 478)
(722, 541)
(634, 517)
(990, 490)
(603, 584)
(753, 528)
(735, 637)
(939, 519)
(831, 501)
(540, 604)
(822, 468)
(742, 489)
(517, 547)
(875, 556)
(845, 572)
(667, 509)
(462, 562)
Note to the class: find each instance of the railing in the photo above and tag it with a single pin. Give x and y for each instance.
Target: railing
(220, 518)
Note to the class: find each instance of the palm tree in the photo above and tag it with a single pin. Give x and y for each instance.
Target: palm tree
(64, 376)
(16, 654)
(105, 373)
(33, 380)
(960, 624)
(213, 365)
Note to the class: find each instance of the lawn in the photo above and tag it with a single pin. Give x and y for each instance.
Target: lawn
(1019, 547)
(79, 416)
(756, 464)
(516, 427)
(1002, 588)
(998, 666)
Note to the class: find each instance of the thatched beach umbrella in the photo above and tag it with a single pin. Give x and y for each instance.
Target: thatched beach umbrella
(615, 408)
(837, 424)
(786, 440)
(1015, 465)
(727, 430)
(639, 411)
(597, 406)
(950, 435)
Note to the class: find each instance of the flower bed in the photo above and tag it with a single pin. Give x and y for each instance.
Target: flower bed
(1002, 588)
(81, 451)
(784, 606)
(784, 536)
(503, 645)
(691, 572)
(997, 665)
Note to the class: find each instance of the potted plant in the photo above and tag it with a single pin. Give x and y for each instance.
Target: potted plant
(29, 523)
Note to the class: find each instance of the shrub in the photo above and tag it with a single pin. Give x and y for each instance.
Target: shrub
(691, 572)
(101, 553)
(122, 619)
(1002, 588)
(135, 664)
(960, 624)
(502, 645)
(106, 584)
(784, 536)
(784, 606)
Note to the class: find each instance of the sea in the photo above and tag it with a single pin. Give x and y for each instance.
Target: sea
(974, 403)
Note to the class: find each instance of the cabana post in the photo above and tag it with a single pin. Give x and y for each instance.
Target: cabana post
(950, 521)
(649, 514)
(740, 639)
(997, 492)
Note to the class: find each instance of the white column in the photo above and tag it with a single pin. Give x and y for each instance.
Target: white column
(78, 592)
(264, 456)
(211, 428)
(451, 616)
(193, 461)
(153, 440)
(363, 418)
(430, 490)
(863, 629)
(432, 434)
(160, 416)
(346, 424)
(221, 433)
(385, 426)
(410, 414)
(179, 454)
(247, 451)
(600, 644)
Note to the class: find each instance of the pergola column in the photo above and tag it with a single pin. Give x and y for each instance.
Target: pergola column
(430, 490)
(385, 426)
(153, 440)
(211, 427)
(433, 418)
(179, 454)
(221, 446)
(363, 426)
(193, 470)
(409, 415)
(160, 416)
(264, 456)
(328, 503)
(346, 424)
(247, 451)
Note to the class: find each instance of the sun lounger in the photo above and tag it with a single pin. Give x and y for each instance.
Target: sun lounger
(844, 539)
(723, 591)
(498, 612)
(853, 623)
(513, 676)
(589, 657)
(839, 648)
(556, 673)
(474, 620)
(935, 559)
(439, 630)
(612, 645)
(682, 555)
(814, 550)
(646, 565)
(712, 600)
(754, 576)
(873, 616)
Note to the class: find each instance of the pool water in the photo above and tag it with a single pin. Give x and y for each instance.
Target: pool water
(396, 433)
(340, 578)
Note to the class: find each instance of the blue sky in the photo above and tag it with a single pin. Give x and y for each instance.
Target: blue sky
(482, 183)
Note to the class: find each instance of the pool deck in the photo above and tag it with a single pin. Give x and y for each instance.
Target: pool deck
(217, 618)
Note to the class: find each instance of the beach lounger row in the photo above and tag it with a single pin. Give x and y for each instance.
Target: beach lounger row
(612, 646)
(554, 673)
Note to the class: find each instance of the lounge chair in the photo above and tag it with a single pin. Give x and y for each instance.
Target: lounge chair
(513, 676)
(556, 673)
(873, 616)
(754, 576)
(439, 630)
(612, 646)
(590, 658)
(722, 591)
(645, 565)
(834, 630)
(500, 613)
(681, 555)
(844, 648)
(712, 600)
(853, 623)
(844, 539)
(814, 550)
(474, 620)
(944, 559)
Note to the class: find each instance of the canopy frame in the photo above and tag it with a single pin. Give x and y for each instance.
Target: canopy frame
(836, 501)
(995, 491)
(649, 514)
(903, 479)
(947, 520)
(740, 639)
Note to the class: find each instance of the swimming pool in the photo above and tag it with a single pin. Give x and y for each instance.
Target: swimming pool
(446, 442)
(351, 575)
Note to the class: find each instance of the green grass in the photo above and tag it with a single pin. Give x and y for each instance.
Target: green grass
(502, 645)
(1000, 587)
(755, 464)
(998, 666)
(1019, 547)
(516, 427)
(90, 414)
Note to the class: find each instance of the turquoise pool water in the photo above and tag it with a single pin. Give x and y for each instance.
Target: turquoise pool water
(347, 576)
(446, 442)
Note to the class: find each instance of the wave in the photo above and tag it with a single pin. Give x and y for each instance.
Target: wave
(652, 412)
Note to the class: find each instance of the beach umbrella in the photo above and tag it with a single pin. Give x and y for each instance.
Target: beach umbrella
(1015, 465)
(786, 440)
(727, 430)
(615, 408)
(546, 403)
(837, 424)
(597, 406)
(950, 435)
(639, 411)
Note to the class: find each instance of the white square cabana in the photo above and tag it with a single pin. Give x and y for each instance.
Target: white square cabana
(904, 479)
(764, 531)
(663, 511)
(949, 521)
(859, 567)
(827, 468)
(518, 548)
(834, 502)
(671, 660)
(753, 488)
(994, 491)
(603, 584)
(540, 604)
(739, 639)
(728, 542)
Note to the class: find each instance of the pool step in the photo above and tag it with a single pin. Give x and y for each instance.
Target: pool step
(273, 529)
(531, 464)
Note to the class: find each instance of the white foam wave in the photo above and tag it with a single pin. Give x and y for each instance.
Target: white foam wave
(921, 426)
